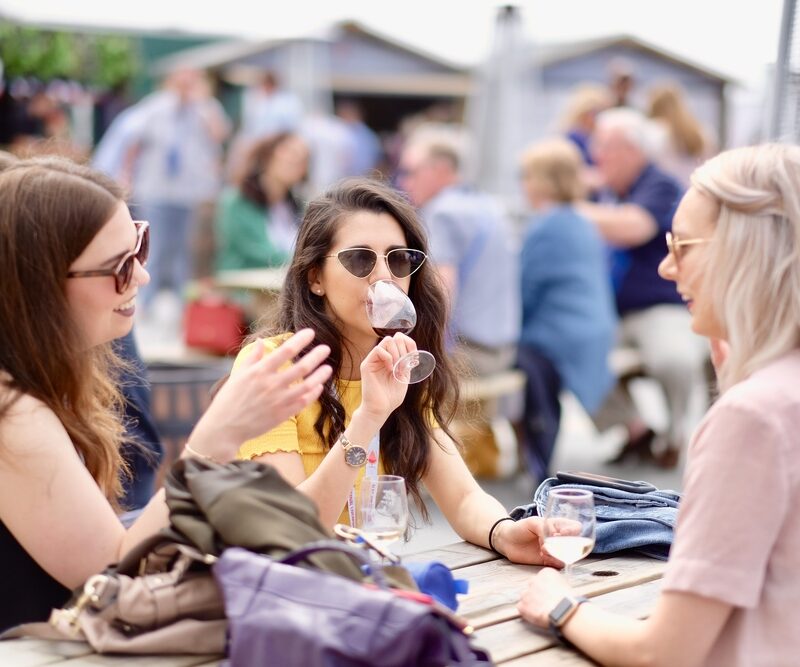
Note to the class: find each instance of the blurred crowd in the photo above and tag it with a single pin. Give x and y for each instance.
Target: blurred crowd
(551, 291)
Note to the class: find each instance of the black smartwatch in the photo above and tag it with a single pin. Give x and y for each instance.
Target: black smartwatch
(354, 456)
(562, 612)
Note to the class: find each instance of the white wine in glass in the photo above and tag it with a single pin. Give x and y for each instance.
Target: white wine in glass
(569, 525)
(382, 514)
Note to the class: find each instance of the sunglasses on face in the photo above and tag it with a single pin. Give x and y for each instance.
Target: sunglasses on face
(402, 262)
(123, 272)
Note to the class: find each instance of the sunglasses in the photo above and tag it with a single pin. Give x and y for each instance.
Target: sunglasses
(674, 245)
(402, 262)
(123, 272)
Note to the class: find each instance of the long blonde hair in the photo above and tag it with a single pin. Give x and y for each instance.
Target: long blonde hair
(754, 262)
(667, 104)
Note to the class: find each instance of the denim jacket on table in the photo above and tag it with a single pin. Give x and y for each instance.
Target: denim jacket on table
(643, 522)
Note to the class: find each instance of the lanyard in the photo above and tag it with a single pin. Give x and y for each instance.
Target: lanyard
(370, 472)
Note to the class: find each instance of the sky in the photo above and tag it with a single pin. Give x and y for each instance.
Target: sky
(734, 38)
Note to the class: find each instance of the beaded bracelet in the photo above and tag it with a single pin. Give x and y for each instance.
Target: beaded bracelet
(199, 455)
(491, 532)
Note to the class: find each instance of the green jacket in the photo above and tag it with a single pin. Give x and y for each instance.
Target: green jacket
(242, 238)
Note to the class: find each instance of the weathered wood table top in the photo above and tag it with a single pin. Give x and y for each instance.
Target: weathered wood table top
(625, 584)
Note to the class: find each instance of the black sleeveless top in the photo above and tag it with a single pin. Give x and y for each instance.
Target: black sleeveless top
(27, 592)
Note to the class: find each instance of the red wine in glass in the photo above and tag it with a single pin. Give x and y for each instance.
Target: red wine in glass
(402, 326)
(390, 311)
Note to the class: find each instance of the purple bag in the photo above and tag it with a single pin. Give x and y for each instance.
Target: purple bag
(280, 614)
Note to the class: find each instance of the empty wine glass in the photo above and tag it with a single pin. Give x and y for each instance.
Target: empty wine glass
(569, 525)
(390, 311)
(382, 514)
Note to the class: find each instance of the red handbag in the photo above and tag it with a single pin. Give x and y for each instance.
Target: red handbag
(215, 325)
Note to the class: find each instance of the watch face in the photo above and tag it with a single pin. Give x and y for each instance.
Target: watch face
(355, 456)
(561, 611)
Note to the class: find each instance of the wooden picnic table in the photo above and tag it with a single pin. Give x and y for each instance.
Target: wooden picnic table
(625, 584)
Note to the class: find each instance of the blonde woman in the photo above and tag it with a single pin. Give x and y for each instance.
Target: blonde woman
(682, 143)
(728, 596)
(568, 313)
(585, 102)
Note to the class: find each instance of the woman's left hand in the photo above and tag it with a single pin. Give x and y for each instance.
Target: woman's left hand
(522, 542)
(545, 590)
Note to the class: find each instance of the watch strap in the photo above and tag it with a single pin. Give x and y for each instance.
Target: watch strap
(577, 601)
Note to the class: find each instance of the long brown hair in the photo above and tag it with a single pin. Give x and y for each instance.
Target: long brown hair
(257, 162)
(408, 426)
(50, 210)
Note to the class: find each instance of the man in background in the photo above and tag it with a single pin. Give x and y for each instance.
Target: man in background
(471, 245)
(174, 165)
(633, 214)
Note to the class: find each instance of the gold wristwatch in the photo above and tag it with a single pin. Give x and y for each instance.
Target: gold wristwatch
(354, 455)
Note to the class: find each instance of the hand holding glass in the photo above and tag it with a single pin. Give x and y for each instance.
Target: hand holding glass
(569, 525)
(390, 311)
(382, 514)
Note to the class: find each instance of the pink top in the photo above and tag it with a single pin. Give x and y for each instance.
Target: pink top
(738, 533)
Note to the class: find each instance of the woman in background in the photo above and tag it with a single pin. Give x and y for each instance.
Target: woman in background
(568, 314)
(681, 142)
(257, 220)
(586, 101)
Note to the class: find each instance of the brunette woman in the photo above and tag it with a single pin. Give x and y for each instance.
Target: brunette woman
(359, 232)
(71, 264)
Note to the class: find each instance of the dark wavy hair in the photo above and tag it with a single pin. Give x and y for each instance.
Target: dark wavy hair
(258, 159)
(408, 425)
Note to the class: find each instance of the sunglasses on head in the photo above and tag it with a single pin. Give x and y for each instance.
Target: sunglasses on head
(402, 262)
(123, 272)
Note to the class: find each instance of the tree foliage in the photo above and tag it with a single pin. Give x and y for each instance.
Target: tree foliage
(98, 60)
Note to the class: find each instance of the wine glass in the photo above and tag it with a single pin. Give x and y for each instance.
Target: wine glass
(382, 514)
(569, 525)
(390, 311)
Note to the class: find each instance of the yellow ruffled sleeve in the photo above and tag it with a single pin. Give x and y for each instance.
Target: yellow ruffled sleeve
(282, 438)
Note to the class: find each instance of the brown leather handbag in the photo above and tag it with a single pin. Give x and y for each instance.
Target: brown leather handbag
(162, 598)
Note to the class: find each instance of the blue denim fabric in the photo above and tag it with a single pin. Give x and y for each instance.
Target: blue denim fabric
(643, 522)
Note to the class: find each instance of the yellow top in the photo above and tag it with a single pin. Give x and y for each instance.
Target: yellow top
(297, 434)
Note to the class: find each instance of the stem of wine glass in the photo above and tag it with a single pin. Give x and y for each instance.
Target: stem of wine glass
(404, 368)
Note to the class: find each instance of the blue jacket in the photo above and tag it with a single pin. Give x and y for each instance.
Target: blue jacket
(641, 521)
(568, 311)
